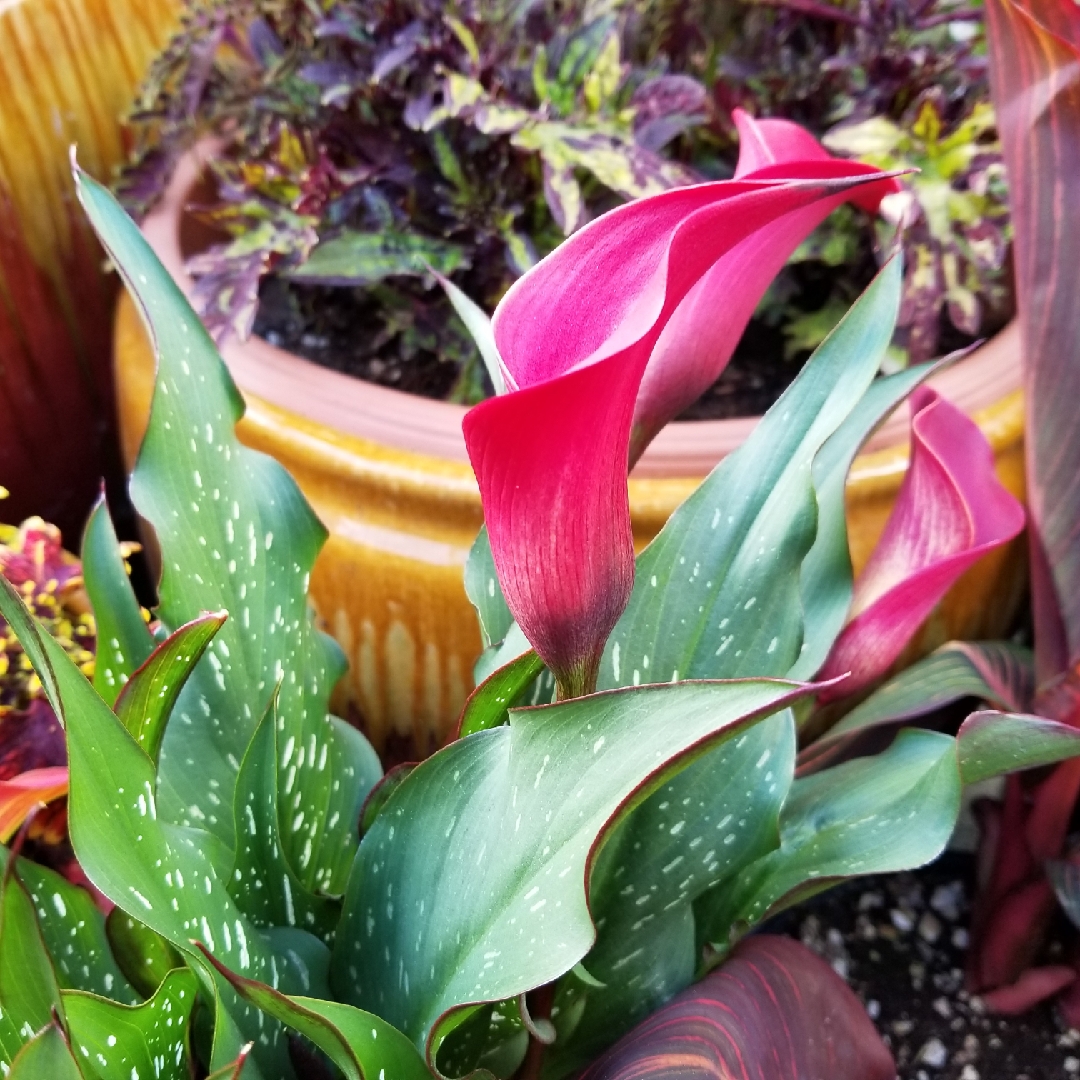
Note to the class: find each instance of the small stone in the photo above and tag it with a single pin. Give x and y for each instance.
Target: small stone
(871, 900)
(841, 966)
(929, 927)
(1072, 1065)
(947, 900)
(969, 1072)
(933, 1053)
(960, 939)
(873, 1009)
(903, 1027)
(902, 921)
(942, 1007)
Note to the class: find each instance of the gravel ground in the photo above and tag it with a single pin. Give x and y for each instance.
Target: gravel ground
(901, 943)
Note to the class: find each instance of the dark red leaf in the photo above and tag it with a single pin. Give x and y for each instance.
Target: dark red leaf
(774, 1011)
(1035, 69)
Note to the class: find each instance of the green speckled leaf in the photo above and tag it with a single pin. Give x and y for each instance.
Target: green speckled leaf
(146, 701)
(118, 1042)
(123, 638)
(28, 986)
(496, 904)
(873, 815)
(236, 535)
(716, 593)
(265, 886)
(697, 833)
(360, 1044)
(46, 1056)
(73, 929)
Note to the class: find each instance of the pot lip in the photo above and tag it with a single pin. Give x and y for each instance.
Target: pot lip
(404, 421)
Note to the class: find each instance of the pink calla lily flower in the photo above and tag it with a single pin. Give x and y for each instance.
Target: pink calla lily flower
(701, 336)
(577, 336)
(950, 511)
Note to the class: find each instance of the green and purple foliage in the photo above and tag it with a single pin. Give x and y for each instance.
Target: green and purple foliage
(367, 143)
(897, 84)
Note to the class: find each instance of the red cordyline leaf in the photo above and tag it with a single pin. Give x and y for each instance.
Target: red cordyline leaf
(774, 1011)
(1035, 71)
(950, 511)
(576, 334)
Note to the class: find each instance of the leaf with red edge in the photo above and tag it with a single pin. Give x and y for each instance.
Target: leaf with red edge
(22, 793)
(1034, 48)
(773, 1010)
(994, 671)
(146, 702)
(575, 335)
(471, 885)
(951, 510)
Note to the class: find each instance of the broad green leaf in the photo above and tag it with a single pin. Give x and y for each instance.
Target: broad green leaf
(28, 988)
(991, 744)
(161, 874)
(489, 704)
(266, 889)
(495, 904)
(124, 641)
(715, 594)
(147, 698)
(697, 833)
(362, 258)
(993, 671)
(73, 930)
(118, 1042)
(484, 592)
(46, 1057)
(144, 956)
(873, 815)
(236, 535)
(826, 578)
(478, 323)
(359, 1043)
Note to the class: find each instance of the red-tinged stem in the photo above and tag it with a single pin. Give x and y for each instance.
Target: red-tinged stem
(577, 682)
(539, 1006)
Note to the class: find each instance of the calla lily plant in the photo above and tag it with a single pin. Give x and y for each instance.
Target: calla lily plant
(1028, 862)
(564, 869)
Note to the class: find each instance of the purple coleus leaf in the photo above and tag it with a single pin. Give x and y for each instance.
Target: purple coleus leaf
(602, 343)
(774, 1011)
(950, 511)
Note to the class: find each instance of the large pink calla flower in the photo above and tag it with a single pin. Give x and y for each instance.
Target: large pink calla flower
(577, 335)
(950, 511)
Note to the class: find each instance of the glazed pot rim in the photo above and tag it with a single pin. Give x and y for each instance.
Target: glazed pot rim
(404, 421)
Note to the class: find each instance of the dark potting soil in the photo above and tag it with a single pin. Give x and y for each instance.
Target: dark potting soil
(901, 943)
(326, 325)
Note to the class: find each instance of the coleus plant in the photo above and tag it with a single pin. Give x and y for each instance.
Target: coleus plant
(895, 84)
(1035, 47)
(33, 762)
(521, 899)
(363, 144)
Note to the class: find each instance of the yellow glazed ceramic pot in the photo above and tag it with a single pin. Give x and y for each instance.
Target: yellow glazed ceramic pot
(68, 71)
(388, 474)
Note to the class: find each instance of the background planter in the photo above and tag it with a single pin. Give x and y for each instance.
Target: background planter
(68, 71)
(388, 474)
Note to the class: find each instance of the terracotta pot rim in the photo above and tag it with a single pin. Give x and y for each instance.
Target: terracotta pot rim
(403, 421)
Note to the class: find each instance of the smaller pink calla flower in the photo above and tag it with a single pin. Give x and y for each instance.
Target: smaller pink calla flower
(576, 336)
(950, 511)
